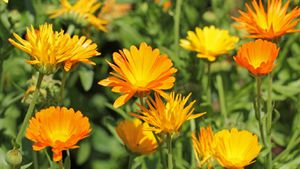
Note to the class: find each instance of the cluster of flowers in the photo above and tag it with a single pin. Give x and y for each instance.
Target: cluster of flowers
(140, 71)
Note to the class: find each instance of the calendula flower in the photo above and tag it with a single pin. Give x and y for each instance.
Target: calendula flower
(50, 49)
(209, 42)
(138, 71)
(111, 9)
(136, 137)
(167, 118)
(270, 24)
(59, 128)
(81, 12)
(258, 56)
(204, 146)
(236, 149)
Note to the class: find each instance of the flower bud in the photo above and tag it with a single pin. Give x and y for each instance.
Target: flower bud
(13, 157)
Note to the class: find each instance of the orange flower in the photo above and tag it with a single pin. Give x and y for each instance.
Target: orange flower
(204, 146)
(138, 71)
(59, 128)
(50, 49)
(82, 12)
(271, 24)
(136, 137)
(258, 56)
(167, 118)
(111, 9)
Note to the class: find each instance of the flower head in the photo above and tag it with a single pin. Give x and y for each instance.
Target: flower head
(138, 71)
(167, 118)
(236, 149)
(82, 11)
(112, 9)
(209, 42)
(258, 56)
(135, 136)
(204, 146)
(59, 128)
(49, 49)
(269, 24)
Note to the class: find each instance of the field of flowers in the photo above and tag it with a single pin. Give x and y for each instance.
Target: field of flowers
(149, 84)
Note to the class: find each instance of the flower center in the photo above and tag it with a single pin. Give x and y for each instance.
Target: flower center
(60, 135)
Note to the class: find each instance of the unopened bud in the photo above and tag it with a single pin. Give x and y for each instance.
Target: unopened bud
(13, 157)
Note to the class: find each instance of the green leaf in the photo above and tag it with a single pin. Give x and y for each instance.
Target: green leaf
(86, 78)
(83, 153)
(26, 166)
(67, 163)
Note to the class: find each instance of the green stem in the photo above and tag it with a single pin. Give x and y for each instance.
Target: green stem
(163, 162)
(61, 164)
(258, 113)
(29, 111)
(35, 160)
(70, 29)
(130, 163)
(62, 87)
(222, 97)
(269, 120)
(208, 89)
(48, 157)
(170, 155)
(193, 128)
(177, 26)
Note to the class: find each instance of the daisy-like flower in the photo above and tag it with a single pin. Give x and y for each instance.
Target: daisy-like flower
(136, 137)
(167, 118)
(209, 42)
(236, 149)
(112, 9)
(81, 12)
(270, 24)
(59, 128)
(138, 71)
(50, 49)
(204, 146)
(258, 56)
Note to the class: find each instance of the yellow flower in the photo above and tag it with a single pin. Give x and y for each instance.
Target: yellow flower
(236, 149)
(135, 136)
(204, 146)
(59, 128)
(82, 10)
(49, 50)
(138, 71)
(269, 24)
(167, 118)
(209, 43)
(258, 56)
(111, 9)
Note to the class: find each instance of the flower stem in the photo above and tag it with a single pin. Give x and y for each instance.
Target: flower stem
(62, 87)
(61, 165)
(269, 121)
(162, 159)
(258, 113)
(35, 160)
(222, 97)
(177, 26)
(29, 111)
(208, 89)
(130, 163)
(70, 29)
(170, 155)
